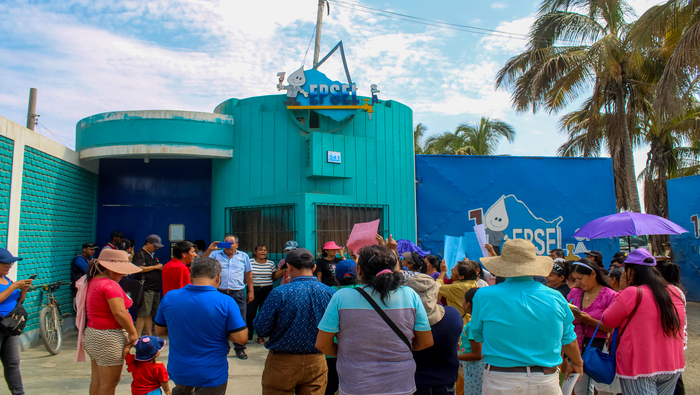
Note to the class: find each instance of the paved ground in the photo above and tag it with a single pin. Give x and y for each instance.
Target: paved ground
(45, 374)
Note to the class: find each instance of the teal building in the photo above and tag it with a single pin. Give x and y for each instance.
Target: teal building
(255, 168)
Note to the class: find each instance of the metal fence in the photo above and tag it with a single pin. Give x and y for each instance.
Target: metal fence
(335, 221)
(271, 225)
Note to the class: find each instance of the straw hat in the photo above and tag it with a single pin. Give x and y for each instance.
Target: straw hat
(117, 261)
(518, 258)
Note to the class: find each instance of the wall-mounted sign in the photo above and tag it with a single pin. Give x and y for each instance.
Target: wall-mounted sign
(311, 89)
(333, 157)
(176, 232)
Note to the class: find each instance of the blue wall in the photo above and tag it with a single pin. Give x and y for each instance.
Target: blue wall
(545, 199)
(6, 147)
(684, 209)
(140, 198)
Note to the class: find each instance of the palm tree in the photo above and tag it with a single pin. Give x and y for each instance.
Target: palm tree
(481, 138)
(575, 48)
(418, 134)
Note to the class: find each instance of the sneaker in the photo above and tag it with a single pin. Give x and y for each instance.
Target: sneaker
(241, 354)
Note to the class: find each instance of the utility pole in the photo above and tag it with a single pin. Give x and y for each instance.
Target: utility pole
(31, 112)
(319, 22)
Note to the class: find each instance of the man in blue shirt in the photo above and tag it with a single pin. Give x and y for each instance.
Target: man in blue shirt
(236, 278)
(290, 317)
(199, 321)
(523, 325)
(79, 265)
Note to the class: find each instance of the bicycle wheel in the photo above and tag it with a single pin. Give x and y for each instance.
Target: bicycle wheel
(50, 329)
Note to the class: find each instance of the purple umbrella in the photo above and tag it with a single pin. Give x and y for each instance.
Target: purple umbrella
(628, 224)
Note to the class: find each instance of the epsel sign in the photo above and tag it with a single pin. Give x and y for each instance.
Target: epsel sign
(333, 157)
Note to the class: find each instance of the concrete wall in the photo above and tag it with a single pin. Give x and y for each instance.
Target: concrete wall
(279, 160)
(50, 214)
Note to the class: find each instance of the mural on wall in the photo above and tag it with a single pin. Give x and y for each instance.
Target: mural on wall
(514, 198)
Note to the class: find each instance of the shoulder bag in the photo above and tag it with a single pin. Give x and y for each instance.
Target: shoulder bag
(14, 322)
(384, 316)
(598, 365)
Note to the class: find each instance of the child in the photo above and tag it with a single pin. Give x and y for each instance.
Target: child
(149, 375)
(470, 352)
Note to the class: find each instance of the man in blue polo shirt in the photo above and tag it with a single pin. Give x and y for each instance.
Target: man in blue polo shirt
(523, 325)
(199, 321)
(236, 278)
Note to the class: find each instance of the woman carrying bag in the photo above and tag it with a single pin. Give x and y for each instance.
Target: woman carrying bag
(649, 358)
(12, 295)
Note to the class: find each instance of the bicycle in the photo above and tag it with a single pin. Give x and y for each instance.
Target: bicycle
(51, 319)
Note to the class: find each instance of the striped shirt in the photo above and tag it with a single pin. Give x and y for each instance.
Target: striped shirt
(262, 272)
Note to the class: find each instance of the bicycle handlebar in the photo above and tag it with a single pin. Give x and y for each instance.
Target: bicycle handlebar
(54, 286)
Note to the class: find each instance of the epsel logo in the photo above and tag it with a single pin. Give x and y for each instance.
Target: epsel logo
(696, 225)
(510, 218)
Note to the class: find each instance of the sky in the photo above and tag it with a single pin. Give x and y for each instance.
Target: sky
(91, 56)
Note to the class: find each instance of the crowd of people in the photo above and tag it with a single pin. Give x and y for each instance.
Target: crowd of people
(373, 321)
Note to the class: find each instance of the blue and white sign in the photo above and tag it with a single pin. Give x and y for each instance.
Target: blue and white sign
(333, 157)
(542, 200)
(684, 209)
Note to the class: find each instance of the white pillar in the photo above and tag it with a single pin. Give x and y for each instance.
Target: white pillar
(15, 198)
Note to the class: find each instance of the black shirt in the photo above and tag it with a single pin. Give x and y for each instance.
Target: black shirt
(153, 280)
(564, 289)
(327, 270)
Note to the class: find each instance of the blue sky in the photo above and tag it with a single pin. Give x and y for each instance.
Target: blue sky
(92, 56)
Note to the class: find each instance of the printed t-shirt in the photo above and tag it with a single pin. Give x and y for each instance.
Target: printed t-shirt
(604, 299)
(199, 319)
(465, 347)
(147, 375)
(327, 270)
(10, 302)
(175, 275)
(379, 363)
(644, 349)
(438, 365)
(262, 272)
(100, 291)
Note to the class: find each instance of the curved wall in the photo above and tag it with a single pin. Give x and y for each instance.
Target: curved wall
(278, 158)
(157, 133)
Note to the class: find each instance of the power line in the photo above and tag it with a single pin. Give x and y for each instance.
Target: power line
(52, 133)
(309, 46)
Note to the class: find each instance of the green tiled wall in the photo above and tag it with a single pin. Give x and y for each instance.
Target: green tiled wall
(6, 146)
(57, 216)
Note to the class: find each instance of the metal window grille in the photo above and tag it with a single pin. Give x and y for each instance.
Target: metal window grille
(271, 225)
(335, 221)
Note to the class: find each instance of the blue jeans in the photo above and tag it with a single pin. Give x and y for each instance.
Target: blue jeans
(439, 390)
(9, 355)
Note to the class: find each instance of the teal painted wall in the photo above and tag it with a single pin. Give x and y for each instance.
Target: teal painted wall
(6, 147)
(56, 217)
(154, 128)
(272, 163)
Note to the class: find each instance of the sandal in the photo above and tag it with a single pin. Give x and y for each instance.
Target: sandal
(261, 340)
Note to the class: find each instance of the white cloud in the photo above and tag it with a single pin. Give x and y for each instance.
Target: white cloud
(511, 44)
(499, 5)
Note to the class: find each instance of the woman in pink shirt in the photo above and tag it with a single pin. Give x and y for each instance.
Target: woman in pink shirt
(592, 296)
(651, 317)
(109, 325)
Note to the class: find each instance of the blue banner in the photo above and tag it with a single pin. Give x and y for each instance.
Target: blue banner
(684, 210)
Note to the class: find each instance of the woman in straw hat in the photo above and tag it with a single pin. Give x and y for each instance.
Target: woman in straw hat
(523, 325)
(109, 325)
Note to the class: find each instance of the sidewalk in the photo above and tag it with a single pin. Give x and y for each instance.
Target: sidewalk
(46, 374)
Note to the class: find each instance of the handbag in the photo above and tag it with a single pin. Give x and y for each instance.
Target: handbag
(384, 316)
(598, 365)
(13, 323)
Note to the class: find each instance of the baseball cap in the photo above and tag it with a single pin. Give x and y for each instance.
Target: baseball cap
(154, 239)
(290, 245)
(7, 257)
(596, 254)
(91, 246)
(346, 268)
(638, 256)
(299, 255)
